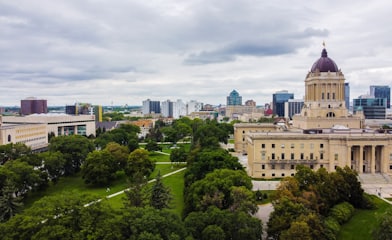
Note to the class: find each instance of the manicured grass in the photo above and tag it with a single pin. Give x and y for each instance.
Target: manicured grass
(176, 184)
(76, 184)
(268, 199)
(159, 157)
(363, 223)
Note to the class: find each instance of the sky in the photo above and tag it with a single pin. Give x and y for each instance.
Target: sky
(121, 52)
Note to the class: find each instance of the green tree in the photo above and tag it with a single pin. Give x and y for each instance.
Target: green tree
(204, 161)
(9, 203)
(242, 199)
(99, 168)
(64, 217)
(74, 149)
(155, 133)
(178, 155)
(285, 212)
(137, 223)
(137, 195)
(122, 135)
(160, 194)
(210, 134)
(24, 177)
(213, 232)
(119, 153)
(133, 144)
(235, 225)
(169, 133)
(297, 230)
(384, 230)
(53, 164)
(218, 189)
(350, 190)
(153, 146)
(139, 162)
(13, 151)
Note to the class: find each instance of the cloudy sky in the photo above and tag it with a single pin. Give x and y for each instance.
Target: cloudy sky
(125, 51)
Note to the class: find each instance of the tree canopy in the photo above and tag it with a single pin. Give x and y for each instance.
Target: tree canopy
(74, 148)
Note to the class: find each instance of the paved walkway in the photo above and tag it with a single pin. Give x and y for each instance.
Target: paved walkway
(263, 213)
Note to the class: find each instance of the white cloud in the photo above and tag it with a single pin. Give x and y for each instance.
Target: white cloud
(127, 51)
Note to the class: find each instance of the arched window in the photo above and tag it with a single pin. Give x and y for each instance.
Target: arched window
(9, 138)
(330, 114)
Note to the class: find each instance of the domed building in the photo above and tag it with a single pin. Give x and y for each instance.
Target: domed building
(323, 135)
(324, 104)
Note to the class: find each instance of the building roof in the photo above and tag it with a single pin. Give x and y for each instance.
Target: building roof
(324, 64)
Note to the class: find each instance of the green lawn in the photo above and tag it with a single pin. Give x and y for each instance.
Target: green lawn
(268, 199)
(176, 184)
(363, 222)
(159, 157)
(77, 185)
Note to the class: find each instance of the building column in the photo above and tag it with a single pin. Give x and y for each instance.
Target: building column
(360, 162)
(348, 156)
(384, 160)
(373, 159)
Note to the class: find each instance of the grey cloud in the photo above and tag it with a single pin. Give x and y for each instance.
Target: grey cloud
(285, 44)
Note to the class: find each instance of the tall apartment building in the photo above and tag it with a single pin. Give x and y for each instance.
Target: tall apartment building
(179, 109)
(381, 92)
(234, 99)
(193, 106)
(167, 108)
(151, 107)
(33, 105)
(278, 100)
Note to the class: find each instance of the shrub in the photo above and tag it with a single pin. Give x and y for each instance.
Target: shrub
(342, 212)
(332, 228)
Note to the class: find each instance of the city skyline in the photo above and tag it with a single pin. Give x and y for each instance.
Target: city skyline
(117, 53)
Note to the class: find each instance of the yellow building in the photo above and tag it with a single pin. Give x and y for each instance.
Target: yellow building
(323, 135)
(58, 124)
(32, 135)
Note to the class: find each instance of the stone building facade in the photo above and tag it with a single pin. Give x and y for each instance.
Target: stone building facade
(323, 135)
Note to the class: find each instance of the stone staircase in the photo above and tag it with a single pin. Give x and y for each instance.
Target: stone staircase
(374, 178)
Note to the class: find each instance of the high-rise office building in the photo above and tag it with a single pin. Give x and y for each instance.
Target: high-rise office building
(234, 98)
(278, 100)
(347, 95)
(33, 105)
(292, 107)
(151, 107)
(381, 92)
(372, 108)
